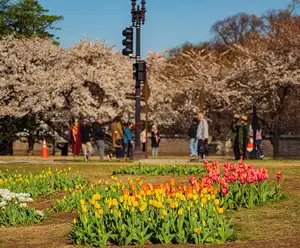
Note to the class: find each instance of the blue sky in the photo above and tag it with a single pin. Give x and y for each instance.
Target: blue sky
(169, 23)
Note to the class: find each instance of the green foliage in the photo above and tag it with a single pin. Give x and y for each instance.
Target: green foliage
(250, 195)
(14, 214)
(41, 184)
(160, 170)
(26, 18)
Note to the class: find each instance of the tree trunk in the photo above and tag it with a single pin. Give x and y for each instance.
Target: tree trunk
(275, 143)
(31, 142)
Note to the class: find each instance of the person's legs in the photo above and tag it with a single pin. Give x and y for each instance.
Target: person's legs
(144, 147)
(84, 150)
(129, 150)
(236, 149)
(153, 151)
(201, 148)
(156, 152)
(196, 147)
(258, 143)
(101, 147)
(89, 149)
(192, 146)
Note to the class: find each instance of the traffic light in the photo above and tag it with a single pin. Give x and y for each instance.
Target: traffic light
(139, 71)
(128, 41)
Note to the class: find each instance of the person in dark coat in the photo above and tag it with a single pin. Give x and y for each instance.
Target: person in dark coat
(234, 130)
(244, 136)
(98, 136)
(86, 145)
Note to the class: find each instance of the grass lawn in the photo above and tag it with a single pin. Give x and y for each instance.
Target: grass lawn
(272, 225)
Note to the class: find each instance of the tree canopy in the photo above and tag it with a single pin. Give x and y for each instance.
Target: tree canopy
(26, 18)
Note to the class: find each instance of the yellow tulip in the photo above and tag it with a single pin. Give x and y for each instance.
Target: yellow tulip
(164, 212)
(149, 220)
(96, 196)
(197, 230)
(100, 211)
(114, 202)
(97, 205)
(220, 210)
(75, 221)
(83, 209)
(216, 202)
(180, 212)
(82, 202)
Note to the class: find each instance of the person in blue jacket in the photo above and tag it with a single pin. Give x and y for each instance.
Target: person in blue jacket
(128, 140)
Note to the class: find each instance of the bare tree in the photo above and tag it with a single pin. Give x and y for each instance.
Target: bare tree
(236, 28)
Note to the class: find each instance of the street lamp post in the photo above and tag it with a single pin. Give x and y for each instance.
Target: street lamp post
(138, 19)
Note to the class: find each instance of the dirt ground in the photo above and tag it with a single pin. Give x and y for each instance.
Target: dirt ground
(272, 225)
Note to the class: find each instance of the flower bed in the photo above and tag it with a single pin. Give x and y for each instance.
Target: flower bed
(41, 184)
(142, 212)
(160, 170)
(14, 210)
(241, 185)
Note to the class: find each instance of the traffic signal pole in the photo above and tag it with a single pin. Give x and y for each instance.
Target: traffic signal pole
(137, 146)
(138, 19)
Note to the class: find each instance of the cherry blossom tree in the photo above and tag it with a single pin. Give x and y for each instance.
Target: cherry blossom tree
(58, 85)
(266, 72)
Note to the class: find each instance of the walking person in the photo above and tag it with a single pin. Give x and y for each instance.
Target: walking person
(86, 134)
(259, 139)
(75, 139)
(98, 136)
(117, 137)
(244, 136)
(202, 135)
(233, 133)
(193, 138)
(128, 140)
(155, 140)
(144, 139)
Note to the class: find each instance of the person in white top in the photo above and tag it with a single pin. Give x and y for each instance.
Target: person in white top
(202, 135)
(144, 139)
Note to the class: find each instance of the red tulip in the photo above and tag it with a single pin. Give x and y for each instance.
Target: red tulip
(193, 180)
(224, 191)
(279, 175)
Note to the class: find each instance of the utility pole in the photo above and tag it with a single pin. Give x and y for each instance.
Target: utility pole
(139, 67)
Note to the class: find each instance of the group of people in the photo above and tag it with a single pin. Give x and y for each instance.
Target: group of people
(122, 139)
(83, 135)
(198, 135)
(240, 133)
